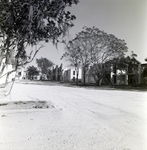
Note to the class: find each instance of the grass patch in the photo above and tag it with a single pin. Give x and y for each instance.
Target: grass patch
(3, 104)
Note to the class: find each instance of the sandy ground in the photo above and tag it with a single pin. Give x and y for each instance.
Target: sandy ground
(42, 117)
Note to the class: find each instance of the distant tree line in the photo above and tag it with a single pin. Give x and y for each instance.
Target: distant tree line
(44, 69)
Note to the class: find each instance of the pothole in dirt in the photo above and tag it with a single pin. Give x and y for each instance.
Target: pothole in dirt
(27, 105)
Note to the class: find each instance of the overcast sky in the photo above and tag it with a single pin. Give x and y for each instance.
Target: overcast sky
(126, 19)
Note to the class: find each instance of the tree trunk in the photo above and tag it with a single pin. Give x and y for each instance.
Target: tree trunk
(77, 78)
(7, 78)
(98, 82)
(109, 79)
(84, 73)
(2, 70)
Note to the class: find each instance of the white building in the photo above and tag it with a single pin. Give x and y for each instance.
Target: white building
(20, 74)
(70, 75)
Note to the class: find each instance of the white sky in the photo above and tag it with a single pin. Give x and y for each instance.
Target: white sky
(126, 19)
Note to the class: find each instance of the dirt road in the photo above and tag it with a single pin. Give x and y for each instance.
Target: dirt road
(79, 119)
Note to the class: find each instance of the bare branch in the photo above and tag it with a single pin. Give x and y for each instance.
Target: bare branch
(36, 51)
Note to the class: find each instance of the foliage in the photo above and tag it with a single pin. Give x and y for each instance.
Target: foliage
(44, 64)
(95, 49)
(144, 72)
(32, 71)
(28, 22)
(75, 56)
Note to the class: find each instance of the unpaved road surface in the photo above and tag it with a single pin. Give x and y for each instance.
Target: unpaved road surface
(72, 118)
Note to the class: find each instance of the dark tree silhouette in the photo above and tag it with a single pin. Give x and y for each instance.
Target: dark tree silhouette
(44, 65)
(32, 71)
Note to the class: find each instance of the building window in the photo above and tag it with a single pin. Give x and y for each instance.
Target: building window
(73, 72)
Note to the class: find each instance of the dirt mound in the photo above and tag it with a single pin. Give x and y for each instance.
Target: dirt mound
(27, 105)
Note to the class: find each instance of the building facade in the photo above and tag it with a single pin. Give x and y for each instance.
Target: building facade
(128, 74)
(70, 75)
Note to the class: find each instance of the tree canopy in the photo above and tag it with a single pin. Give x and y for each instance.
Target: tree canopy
(28, 22)
(32, 71)
(94, 48)
(44, 65)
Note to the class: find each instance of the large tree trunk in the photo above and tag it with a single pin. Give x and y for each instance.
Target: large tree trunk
(2, 70)
(7, 78)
